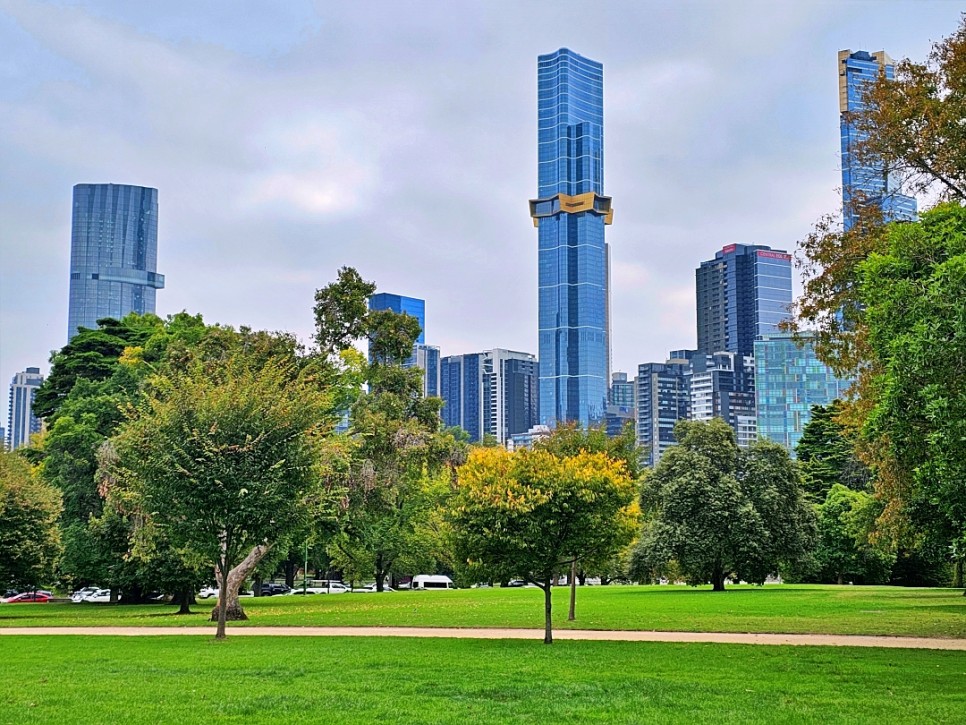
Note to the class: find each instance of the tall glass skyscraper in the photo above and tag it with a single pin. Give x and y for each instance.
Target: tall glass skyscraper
(113, 253)
(870, 182)
(21, 421)
(570, 213)
(400, 304)
(742, 294)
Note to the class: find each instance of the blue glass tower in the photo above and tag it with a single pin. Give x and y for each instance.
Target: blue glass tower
(570, 213)
(412, 306)
(113, 253)
(865, 183)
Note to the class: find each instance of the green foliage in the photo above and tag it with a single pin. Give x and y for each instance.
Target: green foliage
(29, 538)
(718, 511)
(913, 294)
(569, 439)
(846, 551)
(826, 454)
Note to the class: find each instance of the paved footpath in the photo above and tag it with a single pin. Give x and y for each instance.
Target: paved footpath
(825, 640)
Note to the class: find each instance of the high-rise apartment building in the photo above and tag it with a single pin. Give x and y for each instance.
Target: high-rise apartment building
(722, 385)
(789, 381)
(113, 253)
(865, 182)
(663, 398)
(570, 213)
(742, 294)
(21, 421)
(490, 393)
(426, 358)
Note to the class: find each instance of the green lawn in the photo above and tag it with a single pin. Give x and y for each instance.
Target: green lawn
(786, 609)
(346, 680)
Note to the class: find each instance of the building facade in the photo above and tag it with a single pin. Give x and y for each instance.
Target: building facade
(400, 304)
(21, 421)
(490, 393)
(663, 398)
(789, 381)
(113, 253)
(722, 385)
(426, 358)
(865, 182)
(742, 294)
(570, 213)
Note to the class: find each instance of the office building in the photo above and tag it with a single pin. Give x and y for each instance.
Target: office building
(742, 294)
(426, 358)
(722, 385)
(400, 304)
(570, 213)
(621, 404)
(865, 181)
(789, 381)
(490, 393)
(21, 421)
(663, 398)
(113, 253)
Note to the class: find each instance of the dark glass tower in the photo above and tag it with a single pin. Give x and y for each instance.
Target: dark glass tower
(865, 182)
(570, 213)
(113, 253)
(742, 294)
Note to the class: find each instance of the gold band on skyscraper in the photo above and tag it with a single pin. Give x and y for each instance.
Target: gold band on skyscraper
(589, 201)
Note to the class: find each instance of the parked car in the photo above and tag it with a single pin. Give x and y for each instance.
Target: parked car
(208, 592)
(371, 589)
(322, 588)
(424, 582)
(270, 589)
(100, 596)
(79, 595)
(27, 597)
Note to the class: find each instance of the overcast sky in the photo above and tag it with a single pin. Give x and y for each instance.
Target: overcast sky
(289, 139)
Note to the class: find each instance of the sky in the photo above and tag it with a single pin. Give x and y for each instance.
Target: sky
(290, 139)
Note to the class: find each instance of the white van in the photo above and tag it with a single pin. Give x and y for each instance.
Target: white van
(424, 582)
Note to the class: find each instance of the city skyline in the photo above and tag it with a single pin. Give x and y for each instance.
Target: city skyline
(274, 150)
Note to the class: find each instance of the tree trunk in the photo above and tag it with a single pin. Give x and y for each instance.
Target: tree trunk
(257, 586)
(572, 614)
(718, 580)
(291, 567)
(236, 577)
(547, 610)
(380, 573)
(958, 575)
(841, 579)
(582, 577)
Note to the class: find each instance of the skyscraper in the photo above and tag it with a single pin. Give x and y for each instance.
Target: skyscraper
(722, 385)
(490, 393)
(113, 253)
(412, 306)
(663, 398)
(789, 381)
(869, 182)
(743, 293)
(21, 421)
(570, 213)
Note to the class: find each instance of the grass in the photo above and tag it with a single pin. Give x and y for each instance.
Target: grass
(785, 609)
(348, 680)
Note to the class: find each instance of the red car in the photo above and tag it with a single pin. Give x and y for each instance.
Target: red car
(28, 597)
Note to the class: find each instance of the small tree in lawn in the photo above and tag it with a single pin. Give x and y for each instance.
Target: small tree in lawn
(228, 459)
(529, 514)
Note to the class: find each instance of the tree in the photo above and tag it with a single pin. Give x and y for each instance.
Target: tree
(529, 514)
(913, 292)
(398, 442)
(827, 456)
(717, 511)
(569, 439)
(228, 458)
(913, 123)
(846, 521)
(29, 538)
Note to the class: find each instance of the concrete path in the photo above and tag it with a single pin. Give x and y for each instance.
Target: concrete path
(824, 640)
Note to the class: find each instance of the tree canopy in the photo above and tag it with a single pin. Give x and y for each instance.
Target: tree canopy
(529, 514)
(718, 511)
(29, 537)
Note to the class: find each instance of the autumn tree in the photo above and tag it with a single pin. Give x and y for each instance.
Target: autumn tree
(529, 514)
(29, 537)
(718, 511)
